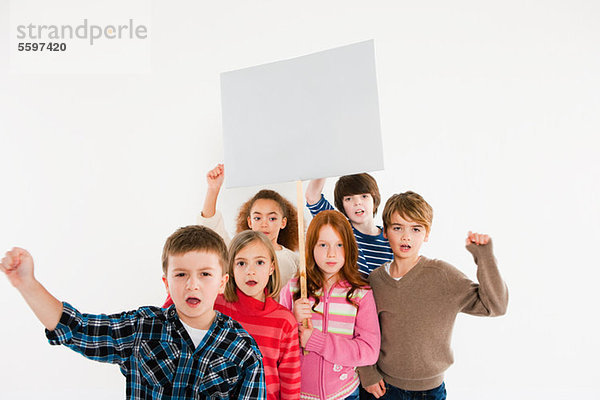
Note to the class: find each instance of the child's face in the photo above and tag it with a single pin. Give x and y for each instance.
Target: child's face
(194, 280)
(405, 236)
(358, 208)
(267, 217)
(252, 268)
(329, 252)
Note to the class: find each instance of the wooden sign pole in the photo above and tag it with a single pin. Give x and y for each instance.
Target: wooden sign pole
(301, 249)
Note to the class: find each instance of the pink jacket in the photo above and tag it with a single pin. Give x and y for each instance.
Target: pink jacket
(343, 338)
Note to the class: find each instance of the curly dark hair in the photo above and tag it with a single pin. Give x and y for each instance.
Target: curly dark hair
(288, 236)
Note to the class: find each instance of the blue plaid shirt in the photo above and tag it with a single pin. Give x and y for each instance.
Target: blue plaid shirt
(158, 358)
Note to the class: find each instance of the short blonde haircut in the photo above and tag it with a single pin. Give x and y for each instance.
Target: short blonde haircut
(410, 206)
(240, 241)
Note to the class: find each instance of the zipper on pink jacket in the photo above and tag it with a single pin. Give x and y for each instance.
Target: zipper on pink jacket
(325, 300)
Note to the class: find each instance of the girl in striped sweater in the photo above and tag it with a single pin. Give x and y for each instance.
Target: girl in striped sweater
(343, 329)
(249, 299)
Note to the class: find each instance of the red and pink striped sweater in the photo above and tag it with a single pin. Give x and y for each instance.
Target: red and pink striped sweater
(276, 332)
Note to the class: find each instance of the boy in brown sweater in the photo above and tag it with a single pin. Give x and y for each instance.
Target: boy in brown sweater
(417, 302)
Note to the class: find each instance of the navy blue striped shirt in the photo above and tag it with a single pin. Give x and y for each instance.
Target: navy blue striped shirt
(373, 250)
(157, 355)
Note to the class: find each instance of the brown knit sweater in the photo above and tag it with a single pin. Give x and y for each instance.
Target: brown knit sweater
(417, 314)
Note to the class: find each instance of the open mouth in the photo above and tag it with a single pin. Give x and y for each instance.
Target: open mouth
(405, 247)
(251, 283)
(359, 212)
(192, 301)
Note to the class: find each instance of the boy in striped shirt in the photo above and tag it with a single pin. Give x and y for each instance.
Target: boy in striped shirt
(357, 197)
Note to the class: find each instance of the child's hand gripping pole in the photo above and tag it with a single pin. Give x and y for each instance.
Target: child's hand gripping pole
(301, 249)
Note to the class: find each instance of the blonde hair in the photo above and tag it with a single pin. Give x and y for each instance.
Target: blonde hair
(240, 241)
(409, 205)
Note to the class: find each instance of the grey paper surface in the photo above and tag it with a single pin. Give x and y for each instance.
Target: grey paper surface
(307, 117)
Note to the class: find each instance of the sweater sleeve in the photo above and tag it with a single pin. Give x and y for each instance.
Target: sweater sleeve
(360, 349)
(369, 375)
(490, 296)
(216, 224)
(289, 363)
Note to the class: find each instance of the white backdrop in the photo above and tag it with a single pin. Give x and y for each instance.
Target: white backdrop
(487, 108)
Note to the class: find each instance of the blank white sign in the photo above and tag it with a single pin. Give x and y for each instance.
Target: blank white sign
(308, 117)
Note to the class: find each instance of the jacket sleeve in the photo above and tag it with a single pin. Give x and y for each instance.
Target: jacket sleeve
(489, 297)
(360, 349)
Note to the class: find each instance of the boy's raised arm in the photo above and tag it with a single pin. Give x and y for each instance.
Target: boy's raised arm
(490, 296)
(101, 338)
(214, 179)
(17, 264)
(314, 190)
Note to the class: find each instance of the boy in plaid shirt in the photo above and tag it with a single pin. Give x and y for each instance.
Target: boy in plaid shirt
(187, 351)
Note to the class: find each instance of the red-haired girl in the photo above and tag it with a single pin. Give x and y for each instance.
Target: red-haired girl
(343, 329)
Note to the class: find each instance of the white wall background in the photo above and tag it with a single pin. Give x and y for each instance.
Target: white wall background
(489, 109)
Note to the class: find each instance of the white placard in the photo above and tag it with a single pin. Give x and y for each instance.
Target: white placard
(308, 117)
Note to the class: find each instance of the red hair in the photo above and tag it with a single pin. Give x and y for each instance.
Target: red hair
(349, 271)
